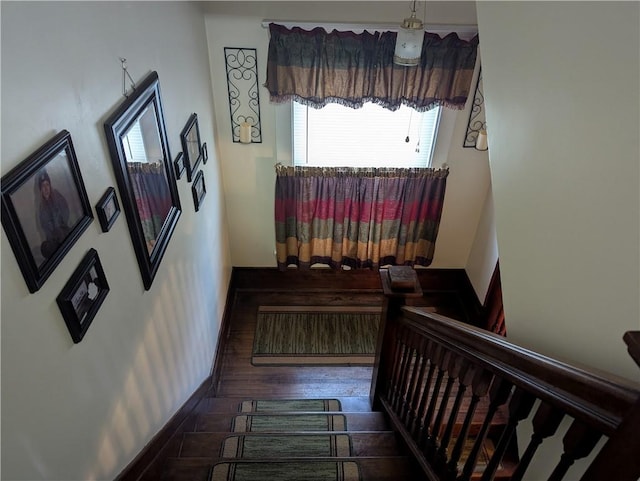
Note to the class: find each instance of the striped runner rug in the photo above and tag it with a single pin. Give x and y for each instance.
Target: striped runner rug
(288, 422)
(271, 446)
(275, 405)
(316, 335)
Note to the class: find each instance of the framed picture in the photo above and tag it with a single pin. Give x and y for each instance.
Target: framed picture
(205, 154)
(198, 189)
(45, 208)
(82, 295)
(191, 147)
(145, 174)
(108, 209)
(178, 164)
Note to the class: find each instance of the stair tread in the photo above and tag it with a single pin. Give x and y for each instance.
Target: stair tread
(389, 468)
(371, 443)
(355, 421)
(232, 404)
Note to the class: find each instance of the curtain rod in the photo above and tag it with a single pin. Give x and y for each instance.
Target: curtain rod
(463, 31)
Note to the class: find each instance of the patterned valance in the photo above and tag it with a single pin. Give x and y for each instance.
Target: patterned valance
(315, 68)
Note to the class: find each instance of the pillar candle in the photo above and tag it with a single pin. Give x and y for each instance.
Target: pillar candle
(245, 133)
(481, 142)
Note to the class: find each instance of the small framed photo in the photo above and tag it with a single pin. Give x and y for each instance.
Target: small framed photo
(205, 154)
(108, 209)
(191, 146)
(45, 208)
(178, 165)
(198, 189)
(82, 295)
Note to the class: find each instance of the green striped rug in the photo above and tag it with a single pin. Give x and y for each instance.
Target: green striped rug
(286, 471)
(320, 335)
(275, 405)
(271, 446)
(288, 422)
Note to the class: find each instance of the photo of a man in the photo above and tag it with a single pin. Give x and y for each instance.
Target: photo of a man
(53, 215)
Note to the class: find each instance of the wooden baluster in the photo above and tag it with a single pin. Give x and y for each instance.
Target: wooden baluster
(453, 371)
(433, 353)
(405, 380)
(578, 443)
(401, 356)
(396, 365)
(412, 373)
(407, 356)
(498, 396)
(545, 424)
(430, 393)
(427, 433)
(402, 363)
(464, 380)
(418, 393)
(418, 368)
(520, 406)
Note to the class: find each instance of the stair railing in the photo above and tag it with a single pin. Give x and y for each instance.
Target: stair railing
(461, 398)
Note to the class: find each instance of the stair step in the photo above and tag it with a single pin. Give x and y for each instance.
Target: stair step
(206, 444)
(392, 468)
(299, 421)
(231, 405)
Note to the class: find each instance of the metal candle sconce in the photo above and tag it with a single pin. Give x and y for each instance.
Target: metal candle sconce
(244, 97)
(476, 136)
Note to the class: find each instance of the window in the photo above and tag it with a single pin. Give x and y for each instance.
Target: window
(371, 136)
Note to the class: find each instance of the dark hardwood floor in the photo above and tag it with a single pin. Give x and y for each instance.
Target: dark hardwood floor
(239, 378)
(253, 288)
(235, 379)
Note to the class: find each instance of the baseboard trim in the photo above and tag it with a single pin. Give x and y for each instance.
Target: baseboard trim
(136, 468)
(223, 333)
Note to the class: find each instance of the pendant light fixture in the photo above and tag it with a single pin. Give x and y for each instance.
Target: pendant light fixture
(409, 41)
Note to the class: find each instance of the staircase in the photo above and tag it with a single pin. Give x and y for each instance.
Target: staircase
(233, 439)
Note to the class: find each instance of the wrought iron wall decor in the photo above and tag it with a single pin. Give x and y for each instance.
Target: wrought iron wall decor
(477, 120)
(242, 85)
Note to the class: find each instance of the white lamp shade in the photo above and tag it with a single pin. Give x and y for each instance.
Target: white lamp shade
(409, 42)
(481, 141)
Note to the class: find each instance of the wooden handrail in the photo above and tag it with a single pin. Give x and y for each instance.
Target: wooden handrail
(450, 388)
(601, 399)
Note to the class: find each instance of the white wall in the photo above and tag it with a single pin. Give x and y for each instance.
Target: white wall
(83, 411)
(249, 175)
(484, 251)
(562, 91)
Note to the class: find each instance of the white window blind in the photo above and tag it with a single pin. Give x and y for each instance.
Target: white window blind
(367, 137)
(134, 144)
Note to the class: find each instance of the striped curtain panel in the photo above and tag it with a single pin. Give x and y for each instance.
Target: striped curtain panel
(316, 68)
(361, 218)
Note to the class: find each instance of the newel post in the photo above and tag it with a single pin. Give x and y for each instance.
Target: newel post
(399, 283)
(618, 459)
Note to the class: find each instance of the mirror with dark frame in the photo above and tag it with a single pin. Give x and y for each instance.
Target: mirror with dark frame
(137, 140)
(191, 146)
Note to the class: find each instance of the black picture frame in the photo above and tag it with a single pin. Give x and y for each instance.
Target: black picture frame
(40, 230)
(198, 190)
(191, 145)
(82, 295)
(151, 217)
(205, 153)
(178, 164)
(108, 209)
